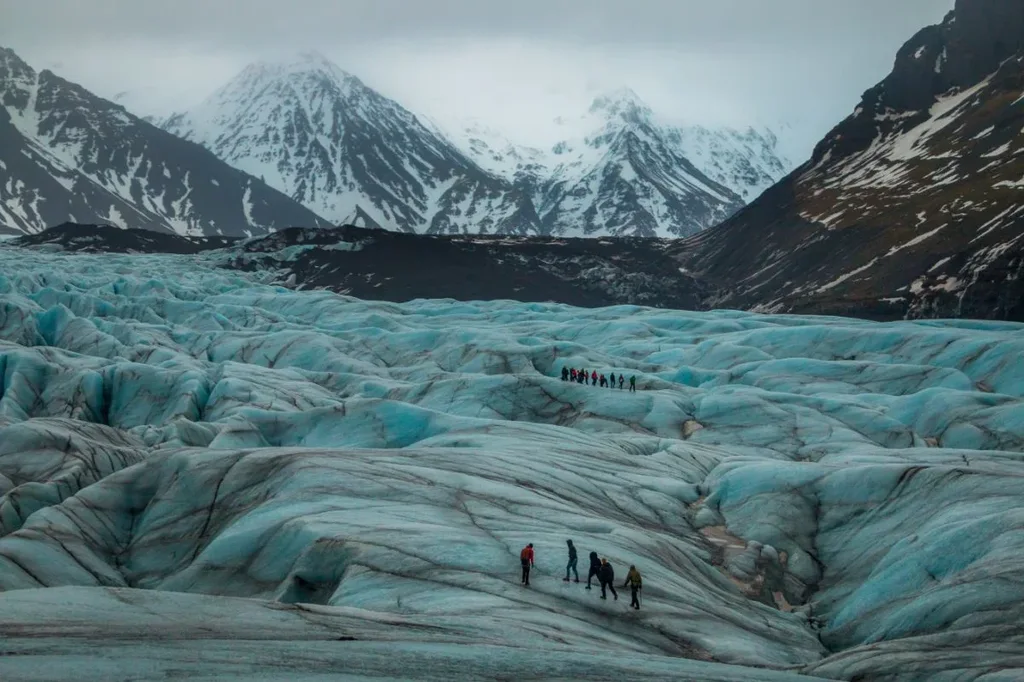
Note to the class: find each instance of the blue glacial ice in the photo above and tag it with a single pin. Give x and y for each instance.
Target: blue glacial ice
(257, 476)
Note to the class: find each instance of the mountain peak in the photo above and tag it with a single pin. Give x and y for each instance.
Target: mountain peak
(303, 65)
(621, 103)
(10, 62)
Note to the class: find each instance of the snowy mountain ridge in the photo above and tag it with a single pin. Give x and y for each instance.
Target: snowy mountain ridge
(347, 152)
(68, 155)
(744, 161)
(343, 150)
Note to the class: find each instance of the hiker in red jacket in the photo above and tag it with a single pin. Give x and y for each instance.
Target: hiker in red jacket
(594, 377)
(526, 559)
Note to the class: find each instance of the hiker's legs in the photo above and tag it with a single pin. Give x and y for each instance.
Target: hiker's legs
(592, 575)
(604, 585)
(636, 602)
(614, 593)
(526, 573)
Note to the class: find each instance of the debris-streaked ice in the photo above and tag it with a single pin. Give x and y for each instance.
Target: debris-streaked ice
(214, 477)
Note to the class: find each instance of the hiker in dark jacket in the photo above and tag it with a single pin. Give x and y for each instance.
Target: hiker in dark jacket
(565, 374)
(607, 577)
(595, 568)
(586, 377)
(622, 378)
(635, 583)
(571, 566)
(611, 380)
(632, 384)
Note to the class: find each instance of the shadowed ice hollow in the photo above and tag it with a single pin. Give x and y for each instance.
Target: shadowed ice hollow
(204, 476)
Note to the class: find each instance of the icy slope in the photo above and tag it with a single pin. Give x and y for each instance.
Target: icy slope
(803, 495)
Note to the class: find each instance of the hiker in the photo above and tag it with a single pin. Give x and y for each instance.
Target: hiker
(526, 559)
(565, 374)
(611, 381)
(595, 568)
(622, 377)
(606, 575)
(635, 583)
(586, 377)
(572, 562)
(594, 377)
(581, 376)
(632, 384)
(572, 374)
(604, 381)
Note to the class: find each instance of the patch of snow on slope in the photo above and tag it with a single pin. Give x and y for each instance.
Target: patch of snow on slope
(1019, 184)
(984, 133)
(247, 205)
(998, 151)
(993, 224)
(943, 113)
(915, 241)
(844, 277)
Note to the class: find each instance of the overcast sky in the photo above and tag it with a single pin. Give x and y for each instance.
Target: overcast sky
(513, 64)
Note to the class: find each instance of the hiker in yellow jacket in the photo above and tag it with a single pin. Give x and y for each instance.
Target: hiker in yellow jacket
(635, 583)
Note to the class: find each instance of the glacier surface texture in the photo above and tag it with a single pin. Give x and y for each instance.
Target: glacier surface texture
(205, 476)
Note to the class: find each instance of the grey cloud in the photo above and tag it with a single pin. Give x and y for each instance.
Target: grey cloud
(515, 61)
(747, 24)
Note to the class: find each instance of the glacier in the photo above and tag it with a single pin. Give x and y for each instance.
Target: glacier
(209, 476)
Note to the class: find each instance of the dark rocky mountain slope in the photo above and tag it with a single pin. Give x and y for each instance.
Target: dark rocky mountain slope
(393, 266)
(911, 207)
(108, 239)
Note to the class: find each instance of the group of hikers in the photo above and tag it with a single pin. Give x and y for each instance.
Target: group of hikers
(599, 568)
(580, 376)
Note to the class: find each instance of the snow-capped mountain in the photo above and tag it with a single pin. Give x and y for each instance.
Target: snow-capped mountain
(629, 175)
(622, 171)
(349, 153)
(68, 155)
(912, 206)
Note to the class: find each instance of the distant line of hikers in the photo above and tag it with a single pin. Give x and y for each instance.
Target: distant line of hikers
(599, 568)
(580, 376)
